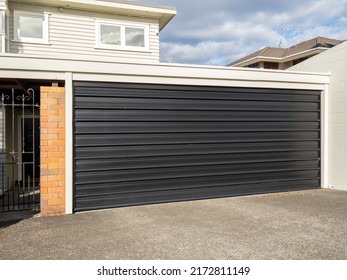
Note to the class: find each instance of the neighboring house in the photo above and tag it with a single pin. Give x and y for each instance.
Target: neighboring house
(334, 61)
(90, 119)
(283, 58)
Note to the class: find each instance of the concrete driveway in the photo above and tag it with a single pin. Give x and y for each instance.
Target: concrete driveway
(296, 225)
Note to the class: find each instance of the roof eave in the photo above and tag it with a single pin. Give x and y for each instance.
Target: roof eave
(163, 13)
(278, 59)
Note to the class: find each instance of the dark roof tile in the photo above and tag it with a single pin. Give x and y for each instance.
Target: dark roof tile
(318, 42)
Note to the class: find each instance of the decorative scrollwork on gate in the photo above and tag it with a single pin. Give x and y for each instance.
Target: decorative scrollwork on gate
(19, 150)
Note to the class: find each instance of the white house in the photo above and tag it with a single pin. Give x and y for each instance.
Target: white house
(91, 119)
(87, 30)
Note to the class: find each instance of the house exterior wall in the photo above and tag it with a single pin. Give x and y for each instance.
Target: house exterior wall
(335, 62)
(52, 141)
(72, 34)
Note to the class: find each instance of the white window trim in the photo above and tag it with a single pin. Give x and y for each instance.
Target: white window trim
(122, 26)
(2, 31)
(2, 19)
(17, 38)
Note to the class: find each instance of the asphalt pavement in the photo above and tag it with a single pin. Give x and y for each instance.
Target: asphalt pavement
(294, 225)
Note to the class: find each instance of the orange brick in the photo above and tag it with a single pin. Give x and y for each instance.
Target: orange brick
(43, 142)
(43, 94)
(56, 177)
(56, 95)
(43, 190)
(61, 148)
(43, 106)
(61, 136)
(54, 142)
(61, 208)
(49, 149)
(51, 112)
(59, 188)
(53, 151)
(57, 107)
(57, 155)
(50, 184)
(51, 195)
(52, 136)
(61, 195)
(61, 159)
(56, 130)
(53, 201)
(56, 166)
(43, 178)
(54, 118)
(51, 100)
(52, 125)
(50, 172)
(43, 119)
(43, 202)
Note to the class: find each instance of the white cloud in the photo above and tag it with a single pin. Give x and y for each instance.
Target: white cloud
(212, 53)
(220, 31)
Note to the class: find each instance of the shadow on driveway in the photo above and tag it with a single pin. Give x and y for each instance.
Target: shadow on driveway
(11, 218)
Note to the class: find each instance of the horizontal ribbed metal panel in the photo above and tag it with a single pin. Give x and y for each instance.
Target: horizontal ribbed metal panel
(139, 143)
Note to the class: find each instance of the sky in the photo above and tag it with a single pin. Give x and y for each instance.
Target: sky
(217, 32)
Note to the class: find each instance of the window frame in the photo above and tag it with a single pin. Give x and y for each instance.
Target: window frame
(2, 31)
(16, 27)
(2, 22)
(123, 26)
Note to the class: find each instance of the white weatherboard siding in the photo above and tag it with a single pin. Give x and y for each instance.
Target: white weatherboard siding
(72, 34)
(335, 62)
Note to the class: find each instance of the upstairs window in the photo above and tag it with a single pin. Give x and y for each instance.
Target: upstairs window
(134, 37)
(30, 27)
(112, 35)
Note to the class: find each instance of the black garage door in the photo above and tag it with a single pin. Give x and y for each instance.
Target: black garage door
(139, 144)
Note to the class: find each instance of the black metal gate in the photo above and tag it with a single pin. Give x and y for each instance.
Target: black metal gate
(138, 143)
(19, 150)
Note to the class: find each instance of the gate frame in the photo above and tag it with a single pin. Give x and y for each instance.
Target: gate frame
(19, 102)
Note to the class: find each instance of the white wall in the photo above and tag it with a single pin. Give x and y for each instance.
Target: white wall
(334, 61)
(72, 35)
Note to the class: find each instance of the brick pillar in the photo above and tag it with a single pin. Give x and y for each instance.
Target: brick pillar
(52, 118)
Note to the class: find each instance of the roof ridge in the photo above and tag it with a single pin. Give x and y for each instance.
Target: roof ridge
(274, 52)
